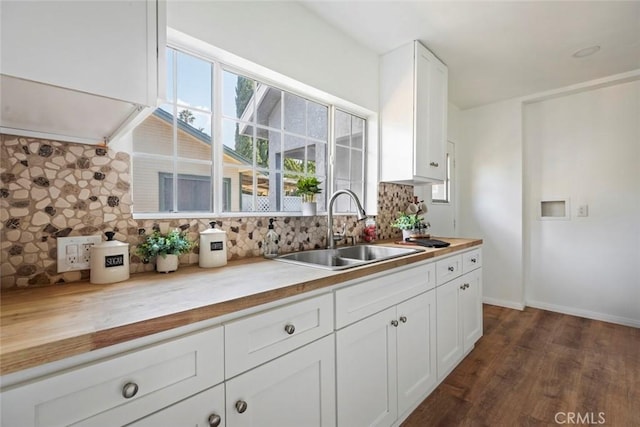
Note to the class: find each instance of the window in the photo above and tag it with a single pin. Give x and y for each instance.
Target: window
(246, 157)
(441, 193)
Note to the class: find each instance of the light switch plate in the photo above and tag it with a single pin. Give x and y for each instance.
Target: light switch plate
(74, 253)
(583, 210)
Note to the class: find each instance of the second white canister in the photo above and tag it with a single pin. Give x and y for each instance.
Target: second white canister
(213, 247)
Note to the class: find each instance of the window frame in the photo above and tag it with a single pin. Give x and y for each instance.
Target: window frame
(222, 60)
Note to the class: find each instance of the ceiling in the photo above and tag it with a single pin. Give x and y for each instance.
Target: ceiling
(499, 50)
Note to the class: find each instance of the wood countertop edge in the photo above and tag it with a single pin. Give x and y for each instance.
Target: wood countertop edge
(29, 356)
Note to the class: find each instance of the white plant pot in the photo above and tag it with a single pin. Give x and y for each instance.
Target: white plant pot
(166, 265)
(309, 208)
(407, 233)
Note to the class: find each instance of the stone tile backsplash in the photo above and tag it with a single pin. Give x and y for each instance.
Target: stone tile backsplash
(51, 189)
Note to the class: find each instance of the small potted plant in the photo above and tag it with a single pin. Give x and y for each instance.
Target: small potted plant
(165, 248)
(408, 223)
(307, 188)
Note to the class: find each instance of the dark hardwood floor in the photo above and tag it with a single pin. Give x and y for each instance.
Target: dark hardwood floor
(536, 368)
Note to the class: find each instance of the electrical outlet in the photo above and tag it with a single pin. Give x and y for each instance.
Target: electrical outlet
(583, 210)
(74, 253)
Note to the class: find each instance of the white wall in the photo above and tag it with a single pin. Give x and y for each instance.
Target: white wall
(287, 38)
(585, 146)
(489, 166)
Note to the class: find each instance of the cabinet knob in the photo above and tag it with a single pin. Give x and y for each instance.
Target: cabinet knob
(214, 420)
(434, 164)
(462, 288)
(241, 406)
(394, 323)
(403, 319)
(129, 390)
(451, 268)
(474, 260)
(289, 328)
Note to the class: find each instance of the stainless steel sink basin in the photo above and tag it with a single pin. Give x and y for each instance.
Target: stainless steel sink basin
(345, 257)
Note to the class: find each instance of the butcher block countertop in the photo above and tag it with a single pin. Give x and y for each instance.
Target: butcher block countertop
(46, 324)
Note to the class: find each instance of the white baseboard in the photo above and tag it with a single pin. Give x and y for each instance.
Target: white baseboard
(585, 313)
(503, 303)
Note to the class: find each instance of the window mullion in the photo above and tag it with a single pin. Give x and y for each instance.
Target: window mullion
(217, 149)
(175, 133)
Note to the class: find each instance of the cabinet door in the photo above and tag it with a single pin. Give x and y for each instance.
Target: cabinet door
(431, 81)
(202, 410)
(471, 308)
(106, 48)
(297, 389)
(416, 349)
(366, 371)
(449, 326)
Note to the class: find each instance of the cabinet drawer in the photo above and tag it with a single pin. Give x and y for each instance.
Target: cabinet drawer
(204, 409)
(448, 268)
(259, 338)
(471, 260)
(371, 296)
(152, 378)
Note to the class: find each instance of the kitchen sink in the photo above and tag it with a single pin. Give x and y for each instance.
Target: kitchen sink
(345, 257)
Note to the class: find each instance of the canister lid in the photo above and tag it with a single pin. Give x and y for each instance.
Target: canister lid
(213, 229)
(110, 243)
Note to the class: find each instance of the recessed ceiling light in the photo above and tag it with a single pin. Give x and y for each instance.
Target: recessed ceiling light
(587, 51)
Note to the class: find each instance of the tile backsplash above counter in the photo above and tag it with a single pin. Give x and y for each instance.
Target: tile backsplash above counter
(51, 189)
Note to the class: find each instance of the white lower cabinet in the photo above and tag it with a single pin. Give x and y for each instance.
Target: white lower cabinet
(297, 389)
(363, 354)
(202, 410)
(386, 363)
(459, 303)
(121, 389)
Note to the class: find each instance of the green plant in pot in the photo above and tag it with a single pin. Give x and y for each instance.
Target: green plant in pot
(165, 248)
(308, 187)
(409, 224)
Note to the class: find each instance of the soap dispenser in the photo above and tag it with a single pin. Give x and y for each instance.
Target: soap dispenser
(270, 245)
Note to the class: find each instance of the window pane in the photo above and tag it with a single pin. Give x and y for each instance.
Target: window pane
(147, 192)
(342, 127)
(342, 163)
(357, 131)
(268, 105)
(237, 96)
(317, 121)
(194, 187)
(194, 82)
(170, 57)
(238, 143)
(155, 134)
(356, 165)
(294, 114)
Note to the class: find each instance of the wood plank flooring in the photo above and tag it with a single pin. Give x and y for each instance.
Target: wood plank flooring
(538, 368)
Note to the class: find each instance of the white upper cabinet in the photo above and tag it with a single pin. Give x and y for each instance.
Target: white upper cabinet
(80, 70)
(413, 105)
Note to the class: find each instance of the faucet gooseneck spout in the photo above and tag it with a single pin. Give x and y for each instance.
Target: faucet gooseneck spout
(361, 214)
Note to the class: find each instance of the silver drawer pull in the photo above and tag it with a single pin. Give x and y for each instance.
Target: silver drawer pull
(289, 328)
(241, 406)
(434, 164)
(214, 420)
(403, 319)
(451, 268)
(129, 390)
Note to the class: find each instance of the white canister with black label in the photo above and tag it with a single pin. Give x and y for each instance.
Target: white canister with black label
(213, 247)
(109, 261)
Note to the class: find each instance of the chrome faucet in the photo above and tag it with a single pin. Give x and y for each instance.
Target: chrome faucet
(361, 214)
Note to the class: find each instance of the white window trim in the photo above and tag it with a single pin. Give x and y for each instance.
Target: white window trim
(234, 63)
